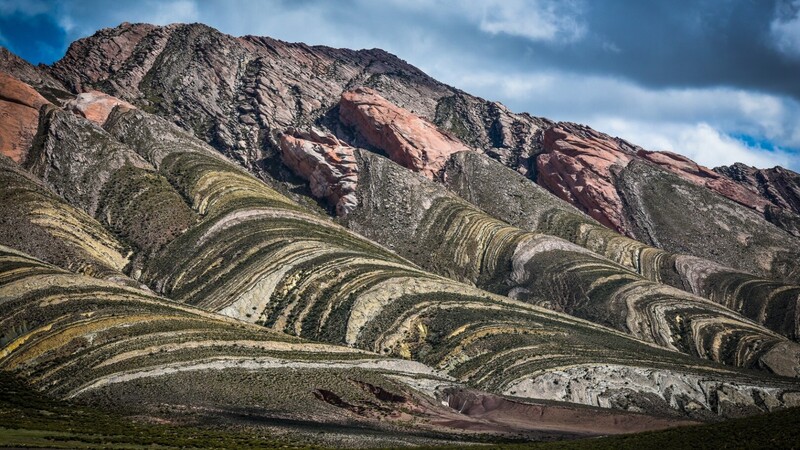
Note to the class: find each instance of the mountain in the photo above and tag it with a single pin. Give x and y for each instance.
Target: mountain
(241, 232)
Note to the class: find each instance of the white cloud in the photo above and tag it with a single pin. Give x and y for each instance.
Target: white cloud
(557, 21)
(165, 13)
(539, 20)
(28, 7)
(785, 29)
(701, 142)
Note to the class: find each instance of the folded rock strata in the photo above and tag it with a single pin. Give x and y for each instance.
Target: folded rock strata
(107, 346)
(34, 220)
(448, 236)
(510, 197)
(617, 184)
(300, 273)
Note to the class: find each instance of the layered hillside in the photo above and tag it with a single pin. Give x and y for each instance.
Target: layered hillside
(442, 233)
(185, 72)
(201, 228)
(256, 256)
(81, 338)
(302, 274)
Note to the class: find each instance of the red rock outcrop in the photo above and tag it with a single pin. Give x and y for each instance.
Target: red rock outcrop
(779, 186)
(703, 176)
(406, 138)
(96, 106)
(578, 165)
(328, 164)
(19, 117)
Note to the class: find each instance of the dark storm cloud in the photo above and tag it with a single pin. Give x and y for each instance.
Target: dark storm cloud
(677, 43)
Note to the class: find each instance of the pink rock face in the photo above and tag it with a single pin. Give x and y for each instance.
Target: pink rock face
(778, 185)
(409, 140)
(578, 165)
(703, 176)
(329, 166)
(19, 117)
(96, 106)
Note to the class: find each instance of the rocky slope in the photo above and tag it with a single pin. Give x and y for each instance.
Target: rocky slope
(426, 224)
(509, 197)
(779, 186)
(300, 273)
(184, 72)
(166, 242)
(772, 303)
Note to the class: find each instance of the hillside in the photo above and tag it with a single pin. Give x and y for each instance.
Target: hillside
(200, 230)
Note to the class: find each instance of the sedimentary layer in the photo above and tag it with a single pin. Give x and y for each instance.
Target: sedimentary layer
(259, 257)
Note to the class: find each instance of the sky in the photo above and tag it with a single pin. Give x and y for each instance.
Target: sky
(715, 80)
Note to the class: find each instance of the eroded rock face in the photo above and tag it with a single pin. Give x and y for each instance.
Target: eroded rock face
(19, 117)
(17, 67)
(328, 165)
(96, 106)
(578, 165)
(407, 139)
(703, 176)
(779, 186)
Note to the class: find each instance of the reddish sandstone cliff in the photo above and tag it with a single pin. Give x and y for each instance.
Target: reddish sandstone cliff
(19, 116)
(406, 138)
(328, 165)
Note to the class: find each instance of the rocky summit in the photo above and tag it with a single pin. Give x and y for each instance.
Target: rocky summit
(242, 235)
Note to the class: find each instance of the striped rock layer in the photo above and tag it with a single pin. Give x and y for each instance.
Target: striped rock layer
(194, 226)
(259, 257)
(86, 339)
(36, 221)
(451, 237)
(771, 303)
(236, 93)
(509, 197)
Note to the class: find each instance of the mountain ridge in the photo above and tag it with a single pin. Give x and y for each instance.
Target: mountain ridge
(343, 201)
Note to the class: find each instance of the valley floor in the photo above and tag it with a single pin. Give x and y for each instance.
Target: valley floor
(29, 420)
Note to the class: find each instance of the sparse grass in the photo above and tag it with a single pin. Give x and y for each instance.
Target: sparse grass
(778, 430)
(28, 419)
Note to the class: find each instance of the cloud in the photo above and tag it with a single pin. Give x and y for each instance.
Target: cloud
(785, 28)
(539, 20)
(175, 11)
(699, 141)
(28, 7)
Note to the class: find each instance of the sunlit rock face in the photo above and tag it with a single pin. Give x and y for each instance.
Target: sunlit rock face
(96, 106)
(579, 165)
(409, 140)
(327, 164)
(19, 117)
